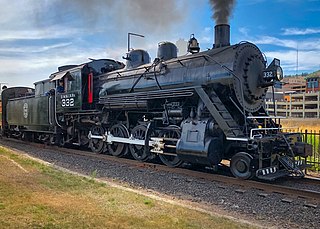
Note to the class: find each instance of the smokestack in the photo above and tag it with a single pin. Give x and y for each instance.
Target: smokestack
(221, 35)
(222, 10)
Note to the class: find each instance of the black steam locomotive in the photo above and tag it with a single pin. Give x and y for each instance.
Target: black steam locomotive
(200, 108)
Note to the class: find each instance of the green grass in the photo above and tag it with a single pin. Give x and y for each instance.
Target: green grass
(314, 160)
(33, 195)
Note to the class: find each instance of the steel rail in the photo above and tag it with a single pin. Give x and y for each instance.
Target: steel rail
(311, 195)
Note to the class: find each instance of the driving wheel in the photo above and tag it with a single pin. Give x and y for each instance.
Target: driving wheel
(118, 149)
(173, 133)
(137, 151)
(97, 145)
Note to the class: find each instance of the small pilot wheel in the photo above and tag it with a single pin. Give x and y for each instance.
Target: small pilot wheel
(96, 145)
(240, 166)
(171, 160)
(137, 151)
(118, 149)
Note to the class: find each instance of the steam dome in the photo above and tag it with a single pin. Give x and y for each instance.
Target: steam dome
(167, 50)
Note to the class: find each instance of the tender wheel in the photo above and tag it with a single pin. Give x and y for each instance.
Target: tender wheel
(60, 142)
(137, 151)
(174, 133)
(240, 166)
(26, 137)
(97, 145)
(118, 149)
(52, 140)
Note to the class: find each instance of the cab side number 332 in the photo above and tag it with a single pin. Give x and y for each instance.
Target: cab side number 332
(67, 102)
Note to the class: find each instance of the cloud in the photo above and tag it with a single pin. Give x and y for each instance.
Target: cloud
(297, 31)
(32, 49)
(33, 19)
(307, 60)
(206, 36)
(33, 67)
(244, 31)
(308, 44)
(120, 15)
(286, 51)
(38, 36)
(268, 40)
(49, 32)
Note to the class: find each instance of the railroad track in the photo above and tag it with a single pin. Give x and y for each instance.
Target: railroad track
(267, 188)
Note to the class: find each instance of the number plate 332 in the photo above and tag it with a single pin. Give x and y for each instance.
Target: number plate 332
(67, 102)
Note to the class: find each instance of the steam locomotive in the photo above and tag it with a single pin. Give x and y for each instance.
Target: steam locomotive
(199, 108)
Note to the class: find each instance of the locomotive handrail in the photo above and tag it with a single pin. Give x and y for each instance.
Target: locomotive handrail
(22, 97)
(169, 61)
(49, 110)
(240, 83)
(55, 108)
(266, 128)
(147, 70)
(237, 139)
(235, 104)
(266, 117)
(259, 129)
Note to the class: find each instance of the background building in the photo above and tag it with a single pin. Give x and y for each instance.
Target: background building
(296, 97)
(313, 82)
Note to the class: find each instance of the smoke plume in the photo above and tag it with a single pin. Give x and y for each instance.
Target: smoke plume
(150, 15)
(222, 10)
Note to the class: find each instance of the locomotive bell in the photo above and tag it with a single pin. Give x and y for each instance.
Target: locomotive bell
(193, 45)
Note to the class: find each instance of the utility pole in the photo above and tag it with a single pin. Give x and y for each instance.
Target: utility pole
(297, 67)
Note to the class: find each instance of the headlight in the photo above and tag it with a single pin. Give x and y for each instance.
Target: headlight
(279, 73)
(272, 74)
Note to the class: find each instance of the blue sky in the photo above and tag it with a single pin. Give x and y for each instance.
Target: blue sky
(38, 36)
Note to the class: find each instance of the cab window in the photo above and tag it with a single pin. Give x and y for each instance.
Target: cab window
(74, 81)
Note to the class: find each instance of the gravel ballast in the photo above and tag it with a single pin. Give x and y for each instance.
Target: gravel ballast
(270, 210)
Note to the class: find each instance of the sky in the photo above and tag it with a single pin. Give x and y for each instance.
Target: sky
(37, 36)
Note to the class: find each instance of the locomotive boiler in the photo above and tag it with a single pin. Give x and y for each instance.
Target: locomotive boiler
(199, 108)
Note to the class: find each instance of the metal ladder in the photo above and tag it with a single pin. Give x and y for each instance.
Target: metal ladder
(220, 113)
(288, 163)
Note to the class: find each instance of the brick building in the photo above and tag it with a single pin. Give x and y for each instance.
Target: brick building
(313, 82)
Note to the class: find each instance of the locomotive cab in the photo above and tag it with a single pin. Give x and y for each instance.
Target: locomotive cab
(80, 84)
(69, 97)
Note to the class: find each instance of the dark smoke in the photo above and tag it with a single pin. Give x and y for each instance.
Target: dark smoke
(148, 14)
(222, 10)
